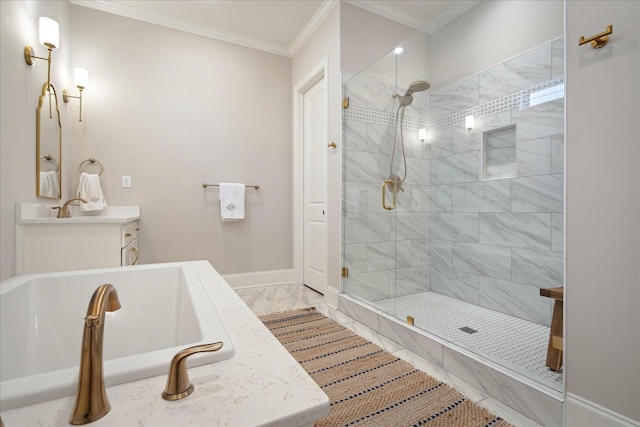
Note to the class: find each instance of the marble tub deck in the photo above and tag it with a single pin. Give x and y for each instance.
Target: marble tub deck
(262, 385)
(269, 299)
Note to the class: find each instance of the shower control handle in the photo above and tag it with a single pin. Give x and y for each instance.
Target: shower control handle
(394, 190)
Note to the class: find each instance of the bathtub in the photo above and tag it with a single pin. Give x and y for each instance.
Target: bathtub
(165, 308)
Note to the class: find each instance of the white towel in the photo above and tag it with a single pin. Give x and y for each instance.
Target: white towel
(89, 189)
(232, 201)
(49, 184)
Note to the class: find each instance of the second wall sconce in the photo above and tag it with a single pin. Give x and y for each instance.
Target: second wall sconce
(49, 36)
(422, 134)
(469, 122)
(80, 79)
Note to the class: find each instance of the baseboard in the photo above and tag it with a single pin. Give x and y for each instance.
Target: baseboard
(331, 297)
(259, 278)
(580, 412)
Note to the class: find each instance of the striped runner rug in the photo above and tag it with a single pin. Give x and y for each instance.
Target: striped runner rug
(367, 385)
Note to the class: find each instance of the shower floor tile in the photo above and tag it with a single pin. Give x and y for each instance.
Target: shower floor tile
(512, 342)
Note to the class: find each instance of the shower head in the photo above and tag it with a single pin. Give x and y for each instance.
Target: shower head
(418, 86)
(414, 87)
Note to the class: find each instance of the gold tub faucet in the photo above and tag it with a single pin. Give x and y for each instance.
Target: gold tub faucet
(63, 212)
(91, 399)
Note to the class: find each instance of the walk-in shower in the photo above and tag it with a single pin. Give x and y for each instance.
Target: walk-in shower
(471, 224)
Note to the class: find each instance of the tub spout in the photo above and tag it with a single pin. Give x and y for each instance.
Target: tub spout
(91, 399)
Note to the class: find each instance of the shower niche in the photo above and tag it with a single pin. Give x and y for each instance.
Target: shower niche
(499, 153)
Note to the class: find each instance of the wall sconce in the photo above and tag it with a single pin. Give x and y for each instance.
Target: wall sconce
(422, 134)
(80, 79)
(469, 122)
(49, 36)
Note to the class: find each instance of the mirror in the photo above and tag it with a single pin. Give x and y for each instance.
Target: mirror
(48, 145)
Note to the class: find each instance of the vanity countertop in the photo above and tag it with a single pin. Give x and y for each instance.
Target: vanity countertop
(262, 385)
(42, 213)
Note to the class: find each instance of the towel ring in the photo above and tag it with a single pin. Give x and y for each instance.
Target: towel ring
(51, 159)
(92, 161)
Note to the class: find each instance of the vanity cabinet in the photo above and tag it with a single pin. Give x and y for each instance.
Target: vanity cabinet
(77, 243)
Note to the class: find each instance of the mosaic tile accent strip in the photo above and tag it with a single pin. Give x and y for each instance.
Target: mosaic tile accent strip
(515, 343)
(381, 118)
(520, 99)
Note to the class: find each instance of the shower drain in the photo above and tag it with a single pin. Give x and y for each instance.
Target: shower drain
(468, 330)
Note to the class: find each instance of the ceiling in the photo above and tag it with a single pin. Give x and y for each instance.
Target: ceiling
(275, 26)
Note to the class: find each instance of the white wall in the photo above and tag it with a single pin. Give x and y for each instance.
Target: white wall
(603, 209)
(173, 110)
(21, 87)
(366, 37)
(491, 32)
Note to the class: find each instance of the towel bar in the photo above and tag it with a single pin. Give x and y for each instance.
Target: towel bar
(218, 185)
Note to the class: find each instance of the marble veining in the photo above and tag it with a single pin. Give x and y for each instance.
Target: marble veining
(485, 260)
(537, 267)
(457, 284)
(518, 73)
(483, 196)
(534, 157)
(520, 230)
(455, 168)
(441, 253)
(544, 193)
(516, 299)
(455, 226)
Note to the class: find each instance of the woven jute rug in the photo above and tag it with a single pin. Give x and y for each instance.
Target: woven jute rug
(367, 385)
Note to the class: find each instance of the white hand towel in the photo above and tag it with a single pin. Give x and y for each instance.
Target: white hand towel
(49, 184)
(232, 201)
(89, 189)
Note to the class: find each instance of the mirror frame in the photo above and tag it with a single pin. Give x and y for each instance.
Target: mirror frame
(45, 89)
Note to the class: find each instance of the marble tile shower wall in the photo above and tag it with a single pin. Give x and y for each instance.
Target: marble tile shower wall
(489, 242)
(387, 252)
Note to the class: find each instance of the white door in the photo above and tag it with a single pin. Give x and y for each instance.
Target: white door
(315, 179)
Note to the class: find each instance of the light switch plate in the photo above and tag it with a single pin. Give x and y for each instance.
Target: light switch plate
(126, 181)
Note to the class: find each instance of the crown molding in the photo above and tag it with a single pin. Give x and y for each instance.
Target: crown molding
(402, 17)
(457, 9)
(388, 12)
(313, 24)
(179, 24)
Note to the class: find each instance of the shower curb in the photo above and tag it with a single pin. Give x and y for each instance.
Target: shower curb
(535, 401)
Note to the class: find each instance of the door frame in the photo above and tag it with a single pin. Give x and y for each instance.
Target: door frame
(318, 73)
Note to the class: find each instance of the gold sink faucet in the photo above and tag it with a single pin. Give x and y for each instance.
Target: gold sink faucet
(91, 399)
(63, 212)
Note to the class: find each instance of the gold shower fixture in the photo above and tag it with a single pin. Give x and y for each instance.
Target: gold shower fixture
(80, 78)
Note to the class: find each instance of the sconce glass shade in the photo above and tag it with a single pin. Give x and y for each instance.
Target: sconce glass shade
(422, 134)
(398, 50)
(80, 77)
(49, 32)
(469, 122)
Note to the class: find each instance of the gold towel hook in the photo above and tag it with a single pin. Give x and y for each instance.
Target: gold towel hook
(598, 40)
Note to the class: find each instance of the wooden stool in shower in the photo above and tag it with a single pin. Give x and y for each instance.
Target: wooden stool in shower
(554, 349)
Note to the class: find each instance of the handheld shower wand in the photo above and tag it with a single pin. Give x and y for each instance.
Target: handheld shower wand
(394, 180)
